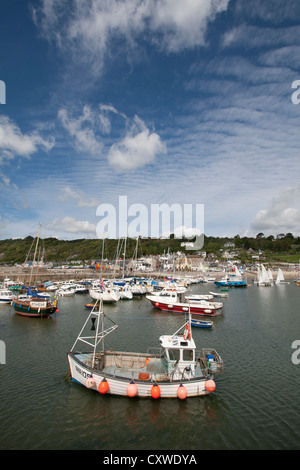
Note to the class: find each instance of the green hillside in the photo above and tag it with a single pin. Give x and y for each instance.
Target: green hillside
(283, 247)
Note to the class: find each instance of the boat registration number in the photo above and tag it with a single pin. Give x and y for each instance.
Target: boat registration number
(38, 304)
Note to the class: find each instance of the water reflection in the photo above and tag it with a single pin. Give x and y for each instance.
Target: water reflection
(255, 404)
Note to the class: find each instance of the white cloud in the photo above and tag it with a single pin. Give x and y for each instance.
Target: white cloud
(138, 148)
(71, 225)
(13, 142)
(283, 215)
(183, 24)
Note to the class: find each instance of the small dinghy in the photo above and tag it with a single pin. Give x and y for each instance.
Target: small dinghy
(201, 323)
(218, 294)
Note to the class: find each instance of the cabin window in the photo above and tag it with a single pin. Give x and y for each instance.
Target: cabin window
(174, 354)
(187, 355)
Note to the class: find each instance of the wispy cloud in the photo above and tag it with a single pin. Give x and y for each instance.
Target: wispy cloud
(92, 25)
(79, 197)
(82, 130)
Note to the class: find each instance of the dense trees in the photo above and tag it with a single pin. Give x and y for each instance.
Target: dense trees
(59, 251)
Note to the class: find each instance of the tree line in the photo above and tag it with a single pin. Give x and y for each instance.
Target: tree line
(58, 251)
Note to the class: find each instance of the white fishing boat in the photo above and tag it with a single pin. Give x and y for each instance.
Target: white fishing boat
(176, 369)
(6, 296)
(171, 301)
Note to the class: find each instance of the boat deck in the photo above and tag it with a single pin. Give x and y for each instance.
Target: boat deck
(131, 367)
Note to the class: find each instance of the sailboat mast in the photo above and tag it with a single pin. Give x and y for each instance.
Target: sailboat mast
(36, 246)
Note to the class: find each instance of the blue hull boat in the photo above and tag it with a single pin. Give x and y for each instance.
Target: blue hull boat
(201, 323)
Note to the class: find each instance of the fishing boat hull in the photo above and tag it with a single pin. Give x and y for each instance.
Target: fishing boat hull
(118, 383)
(198, 308)
(34, 308)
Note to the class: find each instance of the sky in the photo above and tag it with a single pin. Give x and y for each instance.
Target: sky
(192, 102)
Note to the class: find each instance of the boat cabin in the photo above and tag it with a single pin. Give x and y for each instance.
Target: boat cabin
(178, 355)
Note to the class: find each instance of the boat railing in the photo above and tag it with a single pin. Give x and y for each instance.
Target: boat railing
(155, 351)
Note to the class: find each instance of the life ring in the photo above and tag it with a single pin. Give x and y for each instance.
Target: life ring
(187, 333)
(143, 376)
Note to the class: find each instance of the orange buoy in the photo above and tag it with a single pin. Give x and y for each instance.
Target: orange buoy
(103, 387)
(155, 391)
(132, 389)
(181, 392)
(90, 382)
(143, 376)
(210, 385)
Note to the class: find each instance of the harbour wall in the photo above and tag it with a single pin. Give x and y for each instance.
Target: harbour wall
(23, 275)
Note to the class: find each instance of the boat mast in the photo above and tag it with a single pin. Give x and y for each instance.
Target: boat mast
(37, 242)
(95, 338)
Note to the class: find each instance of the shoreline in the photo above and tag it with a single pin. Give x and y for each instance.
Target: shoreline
(43, 275)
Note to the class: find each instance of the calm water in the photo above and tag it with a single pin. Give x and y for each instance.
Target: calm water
(255, 406)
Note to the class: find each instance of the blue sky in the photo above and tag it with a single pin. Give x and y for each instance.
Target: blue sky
(164, 101)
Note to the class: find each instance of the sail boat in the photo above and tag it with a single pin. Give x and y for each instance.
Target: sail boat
(100, 290)
(174, 370)
(263, 276)
(35, 306)
(280, 277)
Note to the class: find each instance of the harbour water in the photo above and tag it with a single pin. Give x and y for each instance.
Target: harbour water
(255, 404)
